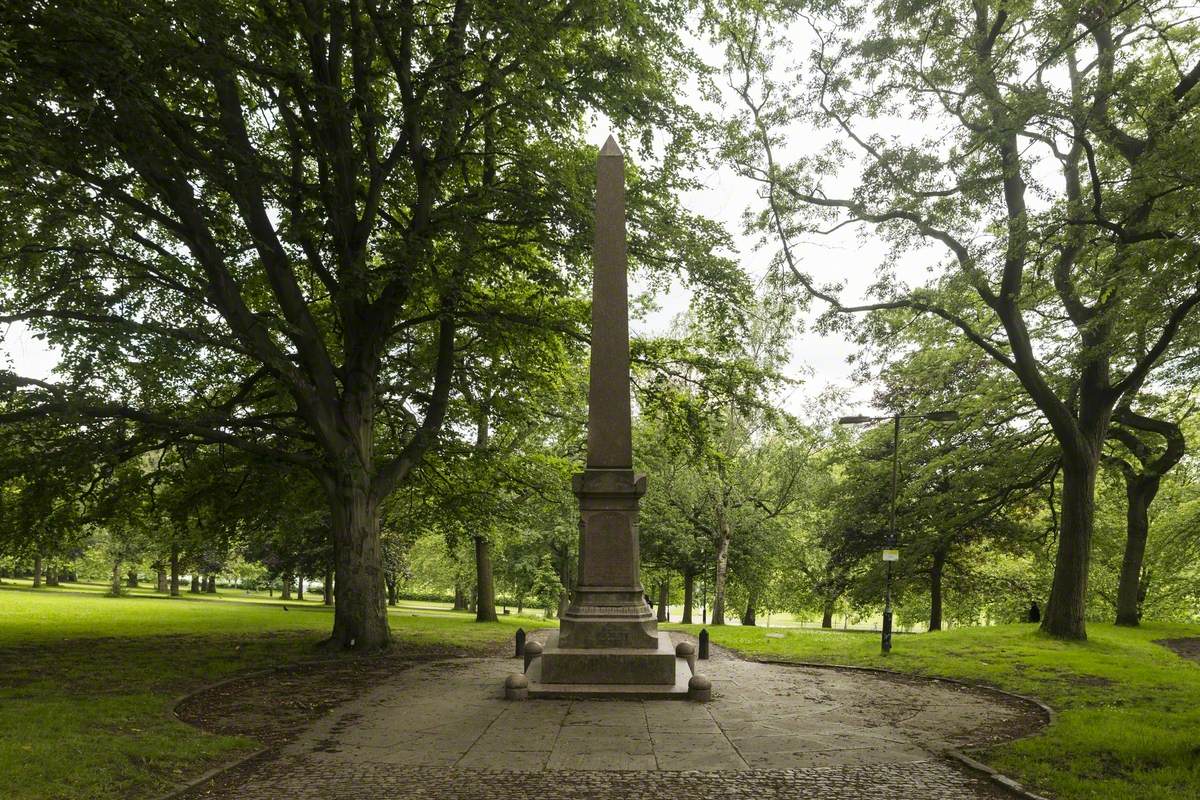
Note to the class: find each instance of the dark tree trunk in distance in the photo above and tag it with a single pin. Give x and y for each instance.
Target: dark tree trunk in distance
(195, 587)
(935, 589)
(485, 590)
(174, 572)
(718, 606)
(827, 613)
(460, 599)
(115, 588)
(1139, 493)
(1141, 487)
(37, 571)
(285, 591)
(689, 595)
(749, 619)
(132, 579)
(210, 586)
(161, 576)
(299, 587)
(663, 599)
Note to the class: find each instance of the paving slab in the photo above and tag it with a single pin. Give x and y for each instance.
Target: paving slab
(770, 731)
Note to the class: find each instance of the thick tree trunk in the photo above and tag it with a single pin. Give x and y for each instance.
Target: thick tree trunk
(663, 598)
(174, 571)
(51, 573)
(827, 613)
(393, 590)
(1065, 611)
(210, 587)
(160, 573)
(718, 607)
(689, 595)
(935, 589)
(360, 618)
(195, 587)
(485, 590)
(115, 588)
(37, 571)
(1139, 492)
(327, 590)
(750, 617)
(299, 587)
(460, 599)
(285, 590)
(132, 581)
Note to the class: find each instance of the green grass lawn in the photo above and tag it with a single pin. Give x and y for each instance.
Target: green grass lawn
(88, 682)
(1128, 724)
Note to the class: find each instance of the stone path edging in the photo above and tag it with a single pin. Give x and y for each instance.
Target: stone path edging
(1012, 785)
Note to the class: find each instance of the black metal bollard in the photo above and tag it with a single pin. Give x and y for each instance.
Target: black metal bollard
(520, 643)
(704, 644)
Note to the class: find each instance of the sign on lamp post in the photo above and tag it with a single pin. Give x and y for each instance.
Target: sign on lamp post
(891, 554)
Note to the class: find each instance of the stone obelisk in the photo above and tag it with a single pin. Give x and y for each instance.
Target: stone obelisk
(609, 607)
(608, 641)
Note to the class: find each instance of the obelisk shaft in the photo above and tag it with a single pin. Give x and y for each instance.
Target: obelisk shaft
(610, 442)
(608, 609)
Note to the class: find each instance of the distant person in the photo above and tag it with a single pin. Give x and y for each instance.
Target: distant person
(1035, 613)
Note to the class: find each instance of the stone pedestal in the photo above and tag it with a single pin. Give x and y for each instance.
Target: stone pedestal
(609, 607)
(609, 672)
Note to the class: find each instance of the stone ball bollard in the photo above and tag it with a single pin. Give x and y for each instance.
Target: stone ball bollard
(687, 650)
(520, 643)
(700, 689)
(532, 651)
(516, 687)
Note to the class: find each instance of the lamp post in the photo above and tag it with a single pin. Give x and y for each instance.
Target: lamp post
(890, 553)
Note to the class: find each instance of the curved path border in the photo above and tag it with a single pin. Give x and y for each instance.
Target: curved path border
(184, 789)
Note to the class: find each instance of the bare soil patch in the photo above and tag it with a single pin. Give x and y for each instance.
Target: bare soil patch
(272, 707)
(1188, 647)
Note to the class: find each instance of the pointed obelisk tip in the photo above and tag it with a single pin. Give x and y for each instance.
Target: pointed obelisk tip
(611, 148)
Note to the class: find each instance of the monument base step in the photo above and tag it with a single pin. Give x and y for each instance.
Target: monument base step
(610, 691)
(630, 665)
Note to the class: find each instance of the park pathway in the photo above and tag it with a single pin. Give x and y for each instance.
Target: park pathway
(443, 730)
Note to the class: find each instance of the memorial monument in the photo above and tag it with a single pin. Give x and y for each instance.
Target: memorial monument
(608, 643)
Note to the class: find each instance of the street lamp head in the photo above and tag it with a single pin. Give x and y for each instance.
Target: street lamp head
(941, 416)
(855, 420)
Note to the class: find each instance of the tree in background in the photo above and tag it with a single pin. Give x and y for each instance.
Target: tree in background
(273, 225)
(1053, 166)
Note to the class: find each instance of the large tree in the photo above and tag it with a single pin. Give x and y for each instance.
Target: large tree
(1049, 179)
(273, 225)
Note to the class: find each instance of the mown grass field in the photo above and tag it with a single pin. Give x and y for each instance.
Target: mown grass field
(1128, 724)
(88, 682)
